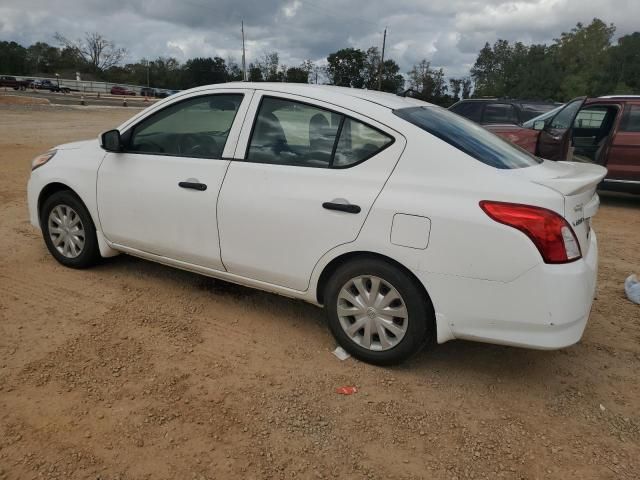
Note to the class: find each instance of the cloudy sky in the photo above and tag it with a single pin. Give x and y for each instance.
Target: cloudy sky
(449, 33)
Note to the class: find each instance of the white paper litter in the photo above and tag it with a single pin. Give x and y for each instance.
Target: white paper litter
(341, 353)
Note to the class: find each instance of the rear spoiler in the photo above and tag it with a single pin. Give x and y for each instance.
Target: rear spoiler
(574, 177)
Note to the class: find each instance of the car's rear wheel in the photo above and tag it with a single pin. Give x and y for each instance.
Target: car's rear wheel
(68, 231)
(377, 312)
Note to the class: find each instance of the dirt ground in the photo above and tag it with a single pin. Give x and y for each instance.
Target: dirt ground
(133, 370)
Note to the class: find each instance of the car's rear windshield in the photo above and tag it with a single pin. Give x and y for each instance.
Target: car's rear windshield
(468, 136)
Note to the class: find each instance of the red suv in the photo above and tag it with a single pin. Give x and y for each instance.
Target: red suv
(603, 130)
(118, 90)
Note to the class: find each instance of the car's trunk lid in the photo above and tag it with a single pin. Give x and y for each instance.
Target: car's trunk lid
(577, 183)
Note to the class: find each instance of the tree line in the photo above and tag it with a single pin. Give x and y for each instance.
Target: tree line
(583, 61)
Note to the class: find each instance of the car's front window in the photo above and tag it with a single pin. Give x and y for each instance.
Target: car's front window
(564, 119)
(544, 117)
(468, 137)
(197, 127)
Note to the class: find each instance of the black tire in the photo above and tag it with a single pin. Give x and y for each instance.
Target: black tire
(90, 252)
(421, 319)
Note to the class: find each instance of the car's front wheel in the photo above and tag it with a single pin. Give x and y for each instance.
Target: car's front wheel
(68, 231)
(377, 312)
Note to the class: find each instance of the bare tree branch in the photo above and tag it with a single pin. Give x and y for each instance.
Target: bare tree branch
(95, 50)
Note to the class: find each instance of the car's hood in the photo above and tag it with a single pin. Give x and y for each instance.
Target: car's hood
(77, 145)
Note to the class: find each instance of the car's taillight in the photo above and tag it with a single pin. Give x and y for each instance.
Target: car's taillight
(550, 232)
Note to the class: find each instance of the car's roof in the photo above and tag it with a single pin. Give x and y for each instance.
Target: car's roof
(506, 100)
(326, 92)
(613, 99)
(622, 97)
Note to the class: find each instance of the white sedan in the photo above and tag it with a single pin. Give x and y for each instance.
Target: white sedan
(408, 223)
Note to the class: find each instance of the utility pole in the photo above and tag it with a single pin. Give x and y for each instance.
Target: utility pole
(244, 64)
(384, 42)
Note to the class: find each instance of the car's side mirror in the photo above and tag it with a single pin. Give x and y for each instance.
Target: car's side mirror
(111, 141)
(539, 125)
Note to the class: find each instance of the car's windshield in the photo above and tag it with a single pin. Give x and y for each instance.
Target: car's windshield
(544, 116)
(468, 137)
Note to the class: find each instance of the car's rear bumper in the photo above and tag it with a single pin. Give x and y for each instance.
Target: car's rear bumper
(546, 308)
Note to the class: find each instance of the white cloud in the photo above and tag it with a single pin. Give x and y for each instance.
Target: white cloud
(449, 33)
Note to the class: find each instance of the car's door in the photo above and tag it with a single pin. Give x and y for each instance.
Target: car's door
(623, 159)
(554, 140)
(305, 178)
(159, 194)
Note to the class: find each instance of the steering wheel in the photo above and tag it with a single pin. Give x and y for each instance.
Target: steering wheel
(197, 145)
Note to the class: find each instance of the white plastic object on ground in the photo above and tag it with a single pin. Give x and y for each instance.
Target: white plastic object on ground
(632, 288)
(341, 353)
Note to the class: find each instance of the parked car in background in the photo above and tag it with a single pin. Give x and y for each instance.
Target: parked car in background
(119, 90)
(162, 93)
(148, 92)
(603, 131)
(47, 85)
(9, 82)
(12, 82)
(408, 223)
(496, 110)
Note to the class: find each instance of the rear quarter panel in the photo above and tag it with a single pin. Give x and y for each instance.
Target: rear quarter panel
(439, 182)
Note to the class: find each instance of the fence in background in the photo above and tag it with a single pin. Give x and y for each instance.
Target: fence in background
(85, 86)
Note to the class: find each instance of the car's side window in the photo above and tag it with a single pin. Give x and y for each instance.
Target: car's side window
(631, 122)
(470, 110)
(564, 118)
(288, 132)
(293, 133)
(197, 127)
(500, 113)
(590, 118)
(357, 143)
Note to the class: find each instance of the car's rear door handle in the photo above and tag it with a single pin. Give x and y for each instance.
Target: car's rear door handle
(193, 185)
(342, 207)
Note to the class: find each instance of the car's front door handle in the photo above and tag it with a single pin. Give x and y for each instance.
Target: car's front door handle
(193, 185)
(342, 207)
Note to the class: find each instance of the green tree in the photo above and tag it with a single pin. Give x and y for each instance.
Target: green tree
(455, 87)
(582, 58)
(234, 72)
(204, 71)
(428, 83)
(43, 58)
(270, 67)
(297, 75)
(13, 58)
(466, 87)
(255, 73)
(392, 79)
(491, 69)
(345, 68)
(624, 65)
